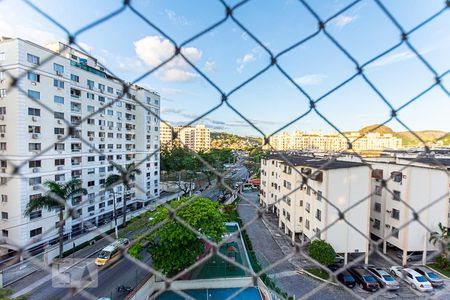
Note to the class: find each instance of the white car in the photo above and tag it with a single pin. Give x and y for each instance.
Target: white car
(416, 280)
(384, 278)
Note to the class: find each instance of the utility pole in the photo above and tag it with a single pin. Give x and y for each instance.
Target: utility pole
(115, 214)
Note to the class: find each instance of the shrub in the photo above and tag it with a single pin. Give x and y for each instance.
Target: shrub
(322, 252)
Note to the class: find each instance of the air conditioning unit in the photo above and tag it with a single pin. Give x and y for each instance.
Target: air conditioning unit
(2, 135)
(91, 214)
(35, 170)
(59, 168)
(33, 83)
(110, 150)
(91, 138)
(102, 139)
(119, 128)
(59, 122)
(90, 87)
(102, 150)
(119, 118)
(2, 117)
(3, 170)
(111, 128)
(102, 128)
(102, 115)
(59, 136)
(59, 73)
(102, 162)
(34, 136)
(102, 210)
(35, 119)
(91, 150)
(102, 103)
(102, 198)
(102, 91)
(36, 187)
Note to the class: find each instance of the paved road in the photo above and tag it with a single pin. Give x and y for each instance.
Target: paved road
(269, 253)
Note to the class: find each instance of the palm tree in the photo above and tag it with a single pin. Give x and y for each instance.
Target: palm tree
(55, 199)
(442, 239)
(126, 177)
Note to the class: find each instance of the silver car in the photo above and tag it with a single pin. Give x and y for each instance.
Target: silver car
(384, 278)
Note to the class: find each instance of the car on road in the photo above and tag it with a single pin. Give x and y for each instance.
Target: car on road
(384, 278)
(432, 277)
(414, 279)
(364, 279)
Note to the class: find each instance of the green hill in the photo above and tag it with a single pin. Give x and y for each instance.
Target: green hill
(232, 141)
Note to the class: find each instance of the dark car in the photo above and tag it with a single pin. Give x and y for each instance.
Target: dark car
(334, 267)
(364, 279)
(431, 276)
(347, 279)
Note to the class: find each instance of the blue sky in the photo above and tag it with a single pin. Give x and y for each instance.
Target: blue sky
(227, 55)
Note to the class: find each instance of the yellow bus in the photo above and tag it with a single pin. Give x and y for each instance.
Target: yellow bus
(111, 252)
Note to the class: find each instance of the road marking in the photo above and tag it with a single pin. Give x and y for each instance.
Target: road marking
(32, 286)
(115, 264)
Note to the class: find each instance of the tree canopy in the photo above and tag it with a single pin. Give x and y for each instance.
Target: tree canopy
(322, 251)
(174, 247)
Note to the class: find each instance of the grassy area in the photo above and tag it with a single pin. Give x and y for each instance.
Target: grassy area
(445, 272)
(319, 273)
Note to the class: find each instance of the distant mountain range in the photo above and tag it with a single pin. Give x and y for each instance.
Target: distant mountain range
(408, 139)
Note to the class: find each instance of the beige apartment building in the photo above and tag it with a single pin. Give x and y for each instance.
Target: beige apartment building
(305, 207)
(318, 141)
(197, 138)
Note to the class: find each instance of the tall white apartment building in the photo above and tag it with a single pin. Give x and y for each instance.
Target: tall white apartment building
(318, 141)
(67, 85)
(301, 206)
(197, 138)
(419, 184)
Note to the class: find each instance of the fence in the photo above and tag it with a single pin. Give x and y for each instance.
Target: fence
(231, 16)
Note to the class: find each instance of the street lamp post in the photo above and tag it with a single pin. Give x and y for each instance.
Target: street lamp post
(116, 231)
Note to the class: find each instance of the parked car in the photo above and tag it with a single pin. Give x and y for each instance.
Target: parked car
(364, 279)
(334, 267)
(410, 256)
(347, 279)
(414, 279)
(339, 259)
(432, 277)
(384, 278)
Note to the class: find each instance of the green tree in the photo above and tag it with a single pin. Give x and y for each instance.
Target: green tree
(441, 238)
(174, 247)
(5, 294)
(126, 177)
(55, 199)
(322, 252)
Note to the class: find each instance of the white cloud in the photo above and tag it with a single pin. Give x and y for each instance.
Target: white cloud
(154, 50)
(12, 29)
(85, 47)
(210, 66)
(392, 58)
(343, 20)
(310, 79)
(242, 62)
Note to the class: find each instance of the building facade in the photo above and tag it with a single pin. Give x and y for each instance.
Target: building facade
(304, 195)
(419, 184)
(197, 138)
(318, 141)
(64, 89)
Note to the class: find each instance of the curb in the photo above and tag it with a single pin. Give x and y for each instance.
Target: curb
(303, 271)
(442, 275)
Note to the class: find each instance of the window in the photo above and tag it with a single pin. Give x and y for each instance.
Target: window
(110, 112)
(301, 203)
(59, 69)
(33, 76)
(4, 215)
(75, 93)
(59, 162)
(91, 158)
(378, 190)
(59, 147)
(58, 115)
(2, 146)
(58, 83)
(60, 177)
(34, 95)
(34, 112)
(156, 101)
(376, 224)
(377, 207)
(396, 195)
(34, 146)
(34, 181)
(319, 215)
(2, 56)
(319, 195)
(307, 224)
(58, 130)
(90, 84)
(33, 59)
(2, 75)
(110, 90)
(35, 232)
(58, 99)
(308, 207)
(90, 108)
(2, 110)
(91, 208)
(397, 176)
(34, 164)
(394, 232)
(74, 77)
(101, 87)
(287, 184)
(90, 96)
(2, 93)
(36, 214)
(91, 183)
(4, 231)
(396, 214)
(4, 198)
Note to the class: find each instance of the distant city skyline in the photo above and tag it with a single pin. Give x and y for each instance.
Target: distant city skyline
(270, 101)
